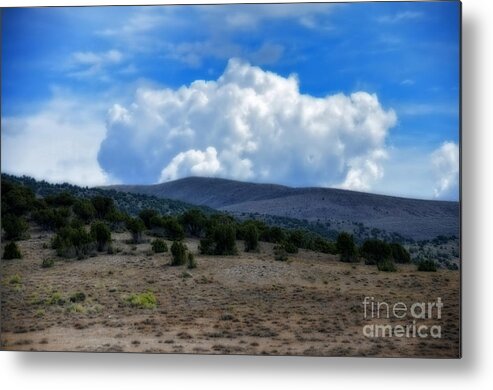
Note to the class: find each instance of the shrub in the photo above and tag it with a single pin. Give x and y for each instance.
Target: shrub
(52, 219)
(321, 245)
(400, 254)
(103, 206)
(386, 265)
(274, 234)
(280, 253)
(11, 251)
(178, 253)
(159, 246)
(84, 209)
(77, 297)
(47, 263)
(15, 227)
(375, 251)
(297, 238)
(147, 215)
(220, 240)
(194, 222)
(136, 227)
(289, 247)
(346, 248)
(427, 266)
(16, 199)
(101, 233)
(251, 237)
(191, 262)
(173, 230)
(63, 199)
(145, 300)
(73, 242)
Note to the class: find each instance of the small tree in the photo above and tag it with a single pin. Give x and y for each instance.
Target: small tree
(136, 227)
(102, 234)
(15, 227)
(174, 231)
(346, 248)
(159, 246)
(251, 237)
(194, 222)
(427, 266)
(147, 215)
(191, 263)
(375, 251)
(11, 251)
(103, 205)
(400, 254)
(178, 253)
(84, 209)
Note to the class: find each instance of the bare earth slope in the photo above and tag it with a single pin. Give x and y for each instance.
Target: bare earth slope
(411, 218)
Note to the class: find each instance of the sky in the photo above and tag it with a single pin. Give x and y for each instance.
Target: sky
(361, 96)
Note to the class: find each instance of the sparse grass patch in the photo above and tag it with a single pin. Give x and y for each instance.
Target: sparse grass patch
(145, 300)
(76, 308)
(56, 299)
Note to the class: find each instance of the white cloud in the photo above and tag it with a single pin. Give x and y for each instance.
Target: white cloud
(59, 144)
(400, 16)
(252, 125)
(445, 161)
(85, 64)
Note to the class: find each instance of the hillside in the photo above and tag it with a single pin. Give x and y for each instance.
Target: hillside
(335, 209)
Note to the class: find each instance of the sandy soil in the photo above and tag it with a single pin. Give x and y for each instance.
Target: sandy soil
(245, 304)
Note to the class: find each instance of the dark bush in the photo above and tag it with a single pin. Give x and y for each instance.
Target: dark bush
(427, 266)
(289, 247)
(16, 199)
(84, 209)
(297, 238)
(101, 233)
(147, 215)
(103, 206)
(194, 222)
(73, 242)
(11, 251)
(321, 245)
(400, 254)
(178, 253)
(220, 240)
(173, 230)
(386, 265)
(274, 234)
(346, 248)
(136, 228)
(191, 263)
(77, 297)
(15, 227)
(251, 238)
(375, 251)
(47, 263)
(63, 199)
(280, 253)
(159, 246)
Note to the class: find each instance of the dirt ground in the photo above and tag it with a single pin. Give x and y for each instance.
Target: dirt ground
(244, 304)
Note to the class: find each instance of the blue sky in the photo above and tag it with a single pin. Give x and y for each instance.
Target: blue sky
(362, 96)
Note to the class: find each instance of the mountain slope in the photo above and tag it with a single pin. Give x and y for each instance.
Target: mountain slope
(337, 209)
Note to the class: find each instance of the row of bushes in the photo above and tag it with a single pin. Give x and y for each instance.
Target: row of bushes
(379, 253)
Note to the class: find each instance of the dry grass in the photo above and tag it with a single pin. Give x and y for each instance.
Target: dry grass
(245, 304)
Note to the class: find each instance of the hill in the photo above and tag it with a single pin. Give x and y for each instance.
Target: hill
(335, 209)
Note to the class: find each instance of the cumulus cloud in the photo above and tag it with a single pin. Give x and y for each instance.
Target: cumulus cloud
(58, 144)
(445, 161)
(249, 124)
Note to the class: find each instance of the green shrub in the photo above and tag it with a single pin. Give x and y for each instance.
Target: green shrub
(386, 265)
(194, 222)
(103, 206)
(159, 246)
(220, 240)
(427, 266)
(297, 238)
(136, 228)
(319, 244)
(173, 230)
(84, 209)
(71, 242)
(346, 248)
(62, 199)
(52, 219)
(101, 233)
(280, 253)
(16, 199)
(178, 253)
(77, 297)
(289, 247)
(251, 237)
(375, 251)
(147, 216)
(400, 254)
(191, 262)
(11, 251)
(15, 227)
(56, 299)
(145, 300)
(48, 263)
